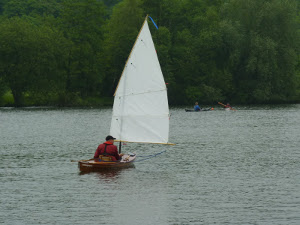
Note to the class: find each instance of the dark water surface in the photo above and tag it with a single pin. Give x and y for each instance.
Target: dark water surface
(237, 167)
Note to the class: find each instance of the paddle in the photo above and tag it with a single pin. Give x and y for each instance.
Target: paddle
(226, 106)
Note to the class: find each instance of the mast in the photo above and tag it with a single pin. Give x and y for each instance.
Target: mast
(120, 145)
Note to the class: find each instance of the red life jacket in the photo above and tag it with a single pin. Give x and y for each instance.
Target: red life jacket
(107, 148)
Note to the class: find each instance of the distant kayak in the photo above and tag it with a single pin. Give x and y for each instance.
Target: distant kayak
(202, 110)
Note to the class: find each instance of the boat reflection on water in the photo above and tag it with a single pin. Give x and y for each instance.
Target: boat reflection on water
(109, 173)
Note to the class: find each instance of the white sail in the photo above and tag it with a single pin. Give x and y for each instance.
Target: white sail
(140, 111)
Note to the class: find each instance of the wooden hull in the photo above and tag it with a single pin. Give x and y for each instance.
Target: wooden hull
(94, 166)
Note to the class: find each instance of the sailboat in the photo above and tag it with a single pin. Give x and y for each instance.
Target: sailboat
(140, 110)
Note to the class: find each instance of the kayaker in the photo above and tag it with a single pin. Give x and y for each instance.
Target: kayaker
(197, 107)
(108, 149)
(227, 106)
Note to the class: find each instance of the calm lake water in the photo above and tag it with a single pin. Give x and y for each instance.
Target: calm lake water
(236, 167)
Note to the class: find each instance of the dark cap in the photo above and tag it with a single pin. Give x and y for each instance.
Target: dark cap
(109, 137)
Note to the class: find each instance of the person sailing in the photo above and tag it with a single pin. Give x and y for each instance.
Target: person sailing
(108, 150)
(197, 107)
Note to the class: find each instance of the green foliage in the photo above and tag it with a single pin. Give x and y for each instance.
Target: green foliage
(30, 57)
(65, 99)
(72, 52)
(82, 22)
(33, 8)
(111, 3)
(7, 99)
(121, 32)
(297, 94)
(264, 67)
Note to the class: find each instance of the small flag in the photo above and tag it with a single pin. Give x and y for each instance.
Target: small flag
(153, 22)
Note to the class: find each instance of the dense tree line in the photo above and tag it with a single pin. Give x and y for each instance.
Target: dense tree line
(72, 52)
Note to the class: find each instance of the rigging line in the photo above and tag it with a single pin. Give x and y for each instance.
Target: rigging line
(149, 157)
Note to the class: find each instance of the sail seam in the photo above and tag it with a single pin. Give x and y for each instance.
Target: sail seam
(141, 93)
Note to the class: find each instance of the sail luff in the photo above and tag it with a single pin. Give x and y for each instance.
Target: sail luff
(130, 53)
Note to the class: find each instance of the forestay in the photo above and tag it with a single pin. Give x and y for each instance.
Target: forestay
(140, 111)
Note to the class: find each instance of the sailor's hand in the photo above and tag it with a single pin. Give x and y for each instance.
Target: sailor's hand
(121, 154)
